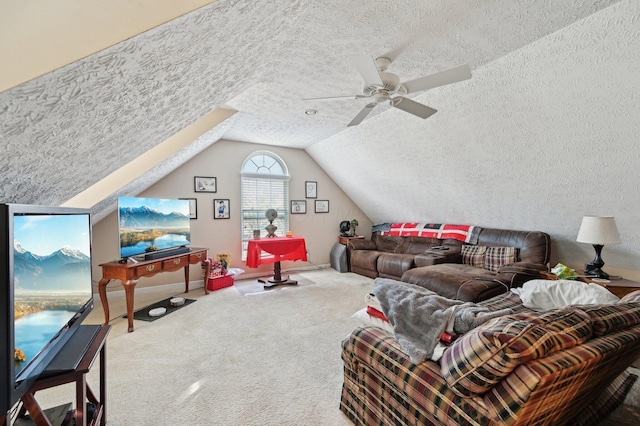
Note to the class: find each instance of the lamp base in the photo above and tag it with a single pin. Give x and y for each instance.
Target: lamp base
(595, 271)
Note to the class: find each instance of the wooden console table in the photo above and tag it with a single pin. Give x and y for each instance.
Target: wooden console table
(83, 391)
(130, 273)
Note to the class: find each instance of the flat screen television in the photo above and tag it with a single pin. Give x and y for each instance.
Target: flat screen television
(149, 224)
(46, 291)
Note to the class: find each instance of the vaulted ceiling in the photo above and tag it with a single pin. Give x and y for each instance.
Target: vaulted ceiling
(67, 130)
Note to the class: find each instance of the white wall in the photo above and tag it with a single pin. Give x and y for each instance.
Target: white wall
(534, 141)
(223, 160)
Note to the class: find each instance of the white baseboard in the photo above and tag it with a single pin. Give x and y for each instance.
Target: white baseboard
(178, 288)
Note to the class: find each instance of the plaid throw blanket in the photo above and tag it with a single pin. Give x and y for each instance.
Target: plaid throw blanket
(464, 233)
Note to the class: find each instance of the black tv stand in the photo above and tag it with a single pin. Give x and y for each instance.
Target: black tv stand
(84, 394)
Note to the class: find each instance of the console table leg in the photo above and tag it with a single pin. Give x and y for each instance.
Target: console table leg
(102, 289)
(129, 286)
(186, 278)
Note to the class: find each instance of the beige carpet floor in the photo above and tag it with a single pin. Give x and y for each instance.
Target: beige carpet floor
(239, 356)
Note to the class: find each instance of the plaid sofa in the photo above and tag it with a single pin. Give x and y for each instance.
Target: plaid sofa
(500, 373)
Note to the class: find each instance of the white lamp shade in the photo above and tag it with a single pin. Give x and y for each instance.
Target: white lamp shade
(598, 230)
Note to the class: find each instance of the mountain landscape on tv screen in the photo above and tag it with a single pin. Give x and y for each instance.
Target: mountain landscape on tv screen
(144, 228)
(65, 270)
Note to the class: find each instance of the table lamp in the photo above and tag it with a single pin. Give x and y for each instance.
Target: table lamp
(598, 230)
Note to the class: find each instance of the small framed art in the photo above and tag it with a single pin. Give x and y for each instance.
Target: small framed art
(322, 206)
(298, 206)
(311, 189)
(205, 184)
(193, 207)
(221, 208)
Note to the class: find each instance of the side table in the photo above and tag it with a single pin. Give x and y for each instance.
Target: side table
(345, 240)
(620, 287)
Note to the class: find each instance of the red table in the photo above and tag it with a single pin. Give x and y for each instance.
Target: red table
(280, 248)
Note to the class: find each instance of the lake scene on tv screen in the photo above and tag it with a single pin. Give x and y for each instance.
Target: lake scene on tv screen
(152, 223)
(52, 278)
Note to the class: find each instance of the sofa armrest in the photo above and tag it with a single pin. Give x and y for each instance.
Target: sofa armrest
(516, 274)
(360, 244)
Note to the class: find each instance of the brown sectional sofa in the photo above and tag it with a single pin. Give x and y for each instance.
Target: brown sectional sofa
(418, 260)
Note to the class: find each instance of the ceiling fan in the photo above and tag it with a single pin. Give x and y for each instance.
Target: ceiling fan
(383, 86)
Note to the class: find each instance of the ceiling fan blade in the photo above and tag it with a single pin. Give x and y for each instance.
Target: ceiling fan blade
(453, 75)
(368, 70)
(332, 98)
(413, 107)
(362, 114)
(393, 53)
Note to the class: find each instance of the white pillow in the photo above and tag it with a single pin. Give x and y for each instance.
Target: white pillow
(367, 319)
(553, 294)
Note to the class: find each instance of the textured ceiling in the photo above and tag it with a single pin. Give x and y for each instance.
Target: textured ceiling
(65, 131)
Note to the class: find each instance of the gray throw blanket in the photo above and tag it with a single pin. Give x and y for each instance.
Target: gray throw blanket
(420, 316)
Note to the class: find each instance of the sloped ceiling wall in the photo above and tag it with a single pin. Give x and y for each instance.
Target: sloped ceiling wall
(535, 140)
(70, 128)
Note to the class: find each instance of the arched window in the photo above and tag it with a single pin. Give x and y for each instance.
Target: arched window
(265, 185)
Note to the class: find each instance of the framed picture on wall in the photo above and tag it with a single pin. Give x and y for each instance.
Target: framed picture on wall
(221, 208)
(298, 206)
(311, 189)
(193, 207)
(322, 206)
(205, 184)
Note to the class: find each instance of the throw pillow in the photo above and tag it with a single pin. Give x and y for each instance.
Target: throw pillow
(480, 359)
(366, 319)
(473, 255)
(552, 294)
(496, 257)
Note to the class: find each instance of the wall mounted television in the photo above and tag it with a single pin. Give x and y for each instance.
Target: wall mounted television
(46, 292)
(146, 224)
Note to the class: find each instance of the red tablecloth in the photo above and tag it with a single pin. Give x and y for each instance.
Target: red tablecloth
(280, 248)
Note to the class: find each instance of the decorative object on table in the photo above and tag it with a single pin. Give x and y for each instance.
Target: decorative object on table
(598, 231)
(298, 206)
(322, 206)
(354, 224)
(311, 189)
(271, 215)
(193, 207)
(205, 184)
(221, 208)
(256, 234)
(288, 234)
(564, 272)
(345, 225)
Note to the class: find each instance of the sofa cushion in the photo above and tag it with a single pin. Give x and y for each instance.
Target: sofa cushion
(416, 245)
(606, 319)
(389, 244)
(497, 257)
(473, 255)
(481, 358)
